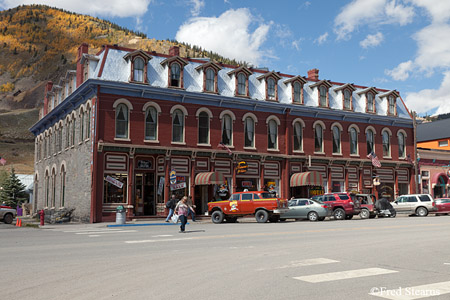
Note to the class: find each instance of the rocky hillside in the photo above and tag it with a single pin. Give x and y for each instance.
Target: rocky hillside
(39, 43)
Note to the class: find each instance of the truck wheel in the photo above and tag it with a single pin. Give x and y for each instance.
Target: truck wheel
(313, 216)
(274, 219)
(8, 218)
(421, 212)
(261, 216)
(217, 217)
(339, 214)
(364, 214)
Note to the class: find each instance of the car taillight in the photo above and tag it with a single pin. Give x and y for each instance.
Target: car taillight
(351, 203)
(324, 206)
(434, 203)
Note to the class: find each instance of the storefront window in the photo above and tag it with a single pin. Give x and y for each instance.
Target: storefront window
(425, 188)
(388, 188)
(181, 188)
(402, 189)
(115, 188)
(272, 186)
(337, 186)
(249, 184)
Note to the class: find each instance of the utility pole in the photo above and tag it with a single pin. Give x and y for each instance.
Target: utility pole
(416, 175)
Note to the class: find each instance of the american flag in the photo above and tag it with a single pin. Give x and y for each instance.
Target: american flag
(223, 146)
(374, 158)
(2, 161)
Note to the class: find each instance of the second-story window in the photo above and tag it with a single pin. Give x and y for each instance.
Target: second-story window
(210, 80)
(151, 124)
(175, 75)
(353, 141)
(323, 96)
(298, 136)
(203, 128)
(178, 126)
(370, 136)
(401, 145)
(386, 144)
(249, 132)
(227, 130)
(272, 135)
(138, 69)
(122, 121)
(242, 84)
(336, 140)
(318, 138)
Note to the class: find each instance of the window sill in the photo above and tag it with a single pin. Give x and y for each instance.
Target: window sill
(175, 87)
(273, 150)
(86, 140)
(139, 82)
(242, 96)
(178, 143)
(249, 148)
(80, 143)
(203, 145)
(387, 157)
(319, 153)
(298, 151)
(354, 155)
(298, 103)
(211, 92)
(122, 140)
(151, 141)
(337, 154)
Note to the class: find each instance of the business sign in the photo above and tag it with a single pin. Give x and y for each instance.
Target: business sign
(242, 167)
(161, 186)
(173, 176)
(114, 181)
(247, 184)
(144, 164)
(178, 186)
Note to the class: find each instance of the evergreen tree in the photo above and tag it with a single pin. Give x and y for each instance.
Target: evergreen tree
(13, 191)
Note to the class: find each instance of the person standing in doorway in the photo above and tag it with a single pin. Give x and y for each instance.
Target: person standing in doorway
(191, 211)
(181, 210)
(171, 204)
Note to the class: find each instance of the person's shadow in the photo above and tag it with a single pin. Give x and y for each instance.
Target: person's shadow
(192, 231)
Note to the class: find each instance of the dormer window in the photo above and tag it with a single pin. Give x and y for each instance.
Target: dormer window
(271, 80)
(175, 75)
(210, 76)
(370, 103)
(241, 75)
(370, 99)
(176, 66)
(391, 103)
(139, 62)
(391, 100)
(322, 91)
(297, 83)
(347, 98)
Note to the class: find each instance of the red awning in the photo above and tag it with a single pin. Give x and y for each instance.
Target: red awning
(306, 178)
(209, 178)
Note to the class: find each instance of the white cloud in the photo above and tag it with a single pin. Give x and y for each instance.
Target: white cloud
(370, 12)
(321, 39)
(114, 8)
(229, 35)
(372, 40)
(429, 99)
(401, 72)
(197, 6)
(439, 10)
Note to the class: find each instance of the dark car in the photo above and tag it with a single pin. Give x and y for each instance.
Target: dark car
(343, 205)
(368, 209)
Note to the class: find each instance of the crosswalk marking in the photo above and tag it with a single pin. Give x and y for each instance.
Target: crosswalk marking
(415, 292)
(303, 263)
(155, 241)
(103, 232)
(344, 275)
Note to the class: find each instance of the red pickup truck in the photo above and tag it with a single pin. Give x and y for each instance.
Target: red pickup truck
(343, 205)
(261, 204)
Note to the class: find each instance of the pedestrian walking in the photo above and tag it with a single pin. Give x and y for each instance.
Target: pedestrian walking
(171, 204)
(191, 211)
(181, 210)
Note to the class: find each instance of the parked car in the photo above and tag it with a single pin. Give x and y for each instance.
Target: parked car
(368, 209)
(263, 205)
(343, 205)
(7, 214)
(306, 209)
(317, 198)
(415, 204)
(443, 206)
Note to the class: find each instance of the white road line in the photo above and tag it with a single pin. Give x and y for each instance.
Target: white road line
(344, 275)
(163, 235)
(102, 232)
(414, 292)
(94, 235)
(90, 230)
(303, 263)
(155, 241)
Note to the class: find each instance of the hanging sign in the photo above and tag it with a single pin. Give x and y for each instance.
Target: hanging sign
(161, 186)
(242, 167)
(173, 176)
(144, 164)
(177, 186)
(114, 181)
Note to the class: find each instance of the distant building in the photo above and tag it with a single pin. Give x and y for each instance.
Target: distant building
(434, 157)
(131, 127)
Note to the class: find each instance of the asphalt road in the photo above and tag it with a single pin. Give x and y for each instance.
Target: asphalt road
(405, 256)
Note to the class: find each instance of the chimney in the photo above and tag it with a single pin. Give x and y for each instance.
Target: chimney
(313, 74)
(80, 68)
(174, 51)
(48, 88)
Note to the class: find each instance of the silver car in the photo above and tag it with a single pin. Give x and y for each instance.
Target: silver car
(306, 209)
(415, 204)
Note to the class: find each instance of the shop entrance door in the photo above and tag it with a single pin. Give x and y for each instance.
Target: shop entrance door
(145, 204)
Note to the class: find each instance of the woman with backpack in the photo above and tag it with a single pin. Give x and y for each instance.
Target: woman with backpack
(171, 204)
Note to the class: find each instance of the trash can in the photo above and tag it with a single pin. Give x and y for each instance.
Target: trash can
(120, 215)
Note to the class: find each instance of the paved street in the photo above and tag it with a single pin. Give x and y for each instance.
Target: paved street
(352, 259)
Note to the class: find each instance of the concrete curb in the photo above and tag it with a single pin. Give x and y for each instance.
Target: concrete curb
(145, 224)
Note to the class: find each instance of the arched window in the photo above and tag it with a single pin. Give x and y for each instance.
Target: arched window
(297, 93)
(227, 130)
(210, 76)
(272, 135)
(353, 141)
(318, 138)
(47, 188)
(370, 104)
(203, 128)
(323, 96)
(271, 89)
(82, 124)
(242, 79)
(298, 136)
(401, 145)
(72, 141)
(178, 126)
(138, 69)
(122, 121)
(67, 133)
(60, 138)
(369, 141)
(347, 100)
(386, 144)
(336, 140)
(249, 132)
(63, 186)
(88, 122)
(151, 124)
(53, 200)
(175, 75)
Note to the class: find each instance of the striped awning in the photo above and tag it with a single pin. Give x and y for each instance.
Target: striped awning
(306, 178)
(209, 178)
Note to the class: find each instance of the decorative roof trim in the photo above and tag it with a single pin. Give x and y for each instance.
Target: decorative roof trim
(241, 69)
(174, 58)
(393, 92)
(139, 52)
(301, 79)
(349, 86)
(369, 89)
(209, 64)
(270, 74)
(322, 82)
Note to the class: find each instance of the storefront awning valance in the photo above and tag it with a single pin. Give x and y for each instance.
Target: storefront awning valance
(306, 178)
(206, 178)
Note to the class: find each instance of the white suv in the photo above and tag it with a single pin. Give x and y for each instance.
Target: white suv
(415, 204)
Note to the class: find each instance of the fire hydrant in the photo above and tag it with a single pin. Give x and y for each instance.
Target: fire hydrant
(41, 216)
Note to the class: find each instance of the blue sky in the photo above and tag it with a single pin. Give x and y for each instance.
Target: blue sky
(390, 44)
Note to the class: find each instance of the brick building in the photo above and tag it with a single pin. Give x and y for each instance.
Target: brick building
(130, 127)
